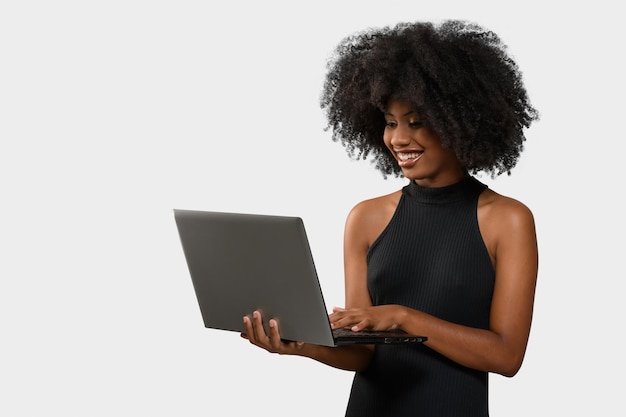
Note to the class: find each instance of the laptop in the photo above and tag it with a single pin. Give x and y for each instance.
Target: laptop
(241, 262)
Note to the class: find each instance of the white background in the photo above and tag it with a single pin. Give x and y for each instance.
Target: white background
(113, 113)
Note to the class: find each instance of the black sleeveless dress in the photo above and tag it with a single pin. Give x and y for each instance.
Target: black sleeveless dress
(431, 257)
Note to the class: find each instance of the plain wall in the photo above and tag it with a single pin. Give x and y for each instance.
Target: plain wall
(114, 113)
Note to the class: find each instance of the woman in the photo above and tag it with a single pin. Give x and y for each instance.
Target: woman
(445, 256)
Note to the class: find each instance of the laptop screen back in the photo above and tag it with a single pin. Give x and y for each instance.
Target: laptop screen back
(244, 262)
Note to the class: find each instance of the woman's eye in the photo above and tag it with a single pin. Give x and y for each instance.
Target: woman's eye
(390, 124)
(416, 124)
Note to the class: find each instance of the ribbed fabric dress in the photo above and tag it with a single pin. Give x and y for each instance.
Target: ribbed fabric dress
(431, 257)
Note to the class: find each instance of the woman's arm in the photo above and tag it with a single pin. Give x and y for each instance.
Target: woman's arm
(508, 230)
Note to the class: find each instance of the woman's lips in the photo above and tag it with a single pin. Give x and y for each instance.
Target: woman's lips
(408, 159)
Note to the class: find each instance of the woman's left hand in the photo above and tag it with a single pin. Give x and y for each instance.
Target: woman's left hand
(380, 318)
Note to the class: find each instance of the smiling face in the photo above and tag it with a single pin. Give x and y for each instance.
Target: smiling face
(417, 148)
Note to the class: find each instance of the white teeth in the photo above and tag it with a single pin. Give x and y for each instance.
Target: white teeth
(407, 156)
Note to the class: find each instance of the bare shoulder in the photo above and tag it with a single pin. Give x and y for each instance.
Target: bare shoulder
(377, 205)
(504, 219)
(499, 208)
(369, 218)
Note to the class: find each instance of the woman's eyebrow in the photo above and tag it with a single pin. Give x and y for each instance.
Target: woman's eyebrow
(386, 113)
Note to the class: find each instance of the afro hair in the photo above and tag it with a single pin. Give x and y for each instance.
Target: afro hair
(458, 75)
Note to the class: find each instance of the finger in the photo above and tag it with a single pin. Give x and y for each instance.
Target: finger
(344, 318)
(249, 330)
(337, 320)
(259, 331)
(278, 345)
(361, 325)
(354, 322)
(337, 316)
(275, 340)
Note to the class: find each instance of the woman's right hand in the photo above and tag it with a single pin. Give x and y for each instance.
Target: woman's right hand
(255, 333)
(351, 358)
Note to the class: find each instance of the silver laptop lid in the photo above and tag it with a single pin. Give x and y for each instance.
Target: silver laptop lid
(243, 262)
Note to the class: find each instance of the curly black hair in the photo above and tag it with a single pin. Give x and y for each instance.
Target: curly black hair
(458, 75)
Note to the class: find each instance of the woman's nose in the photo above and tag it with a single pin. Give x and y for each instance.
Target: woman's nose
(400, 137)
